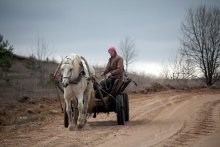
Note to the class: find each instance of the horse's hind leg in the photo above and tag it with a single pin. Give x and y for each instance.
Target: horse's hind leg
(75, 113)
(69, 113)
(87, 96)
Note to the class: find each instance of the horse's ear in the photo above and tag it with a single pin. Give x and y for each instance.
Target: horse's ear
(76, 59)
(73, 62)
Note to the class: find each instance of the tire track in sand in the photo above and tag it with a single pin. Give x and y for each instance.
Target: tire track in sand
(203, 125)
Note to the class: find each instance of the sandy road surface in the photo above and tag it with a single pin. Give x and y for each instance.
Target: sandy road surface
(162, 119)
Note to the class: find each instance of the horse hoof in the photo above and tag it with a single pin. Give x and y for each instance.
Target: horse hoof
(80, 124)
(71, 127)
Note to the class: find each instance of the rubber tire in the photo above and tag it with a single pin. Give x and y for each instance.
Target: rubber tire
(120, 110)
(126, 105)
(66, 121)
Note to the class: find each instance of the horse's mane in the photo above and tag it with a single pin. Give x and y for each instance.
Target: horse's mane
(71, 59)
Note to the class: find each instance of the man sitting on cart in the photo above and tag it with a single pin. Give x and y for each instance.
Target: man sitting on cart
(114, 70)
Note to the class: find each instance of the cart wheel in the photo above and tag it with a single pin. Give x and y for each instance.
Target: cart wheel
(126, 105)
(66, 121)
(120, 110)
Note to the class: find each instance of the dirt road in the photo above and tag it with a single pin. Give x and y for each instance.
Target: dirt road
(171, 118)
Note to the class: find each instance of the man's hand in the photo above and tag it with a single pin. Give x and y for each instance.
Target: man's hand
(102, 74)
(108, 74)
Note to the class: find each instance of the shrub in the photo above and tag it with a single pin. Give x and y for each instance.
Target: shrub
(31, 63)
(5, 54)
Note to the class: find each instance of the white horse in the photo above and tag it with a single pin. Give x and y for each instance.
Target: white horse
(77, 89)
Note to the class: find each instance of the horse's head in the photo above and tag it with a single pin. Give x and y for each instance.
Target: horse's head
(69, 68)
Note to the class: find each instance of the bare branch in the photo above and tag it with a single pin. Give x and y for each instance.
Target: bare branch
(127, 47)
(201, 40)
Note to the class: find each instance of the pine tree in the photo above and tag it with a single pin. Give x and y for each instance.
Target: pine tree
(6, 51)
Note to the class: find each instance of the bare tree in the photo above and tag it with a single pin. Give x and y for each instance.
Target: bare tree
(127, 47)
(201, 41)
(179, 68)
(42, 53)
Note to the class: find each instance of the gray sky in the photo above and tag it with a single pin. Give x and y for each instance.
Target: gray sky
(90, 27)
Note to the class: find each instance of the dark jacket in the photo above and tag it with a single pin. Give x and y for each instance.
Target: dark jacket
(115, 66)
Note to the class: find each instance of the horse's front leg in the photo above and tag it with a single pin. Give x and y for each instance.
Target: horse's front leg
(80, 121)
(69, 113)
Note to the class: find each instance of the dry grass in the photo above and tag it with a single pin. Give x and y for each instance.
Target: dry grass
(148, 84)
(24, 81)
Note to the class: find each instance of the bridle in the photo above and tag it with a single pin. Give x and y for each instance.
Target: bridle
(79, 77)
(81, 74)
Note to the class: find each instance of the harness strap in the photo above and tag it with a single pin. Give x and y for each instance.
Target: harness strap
(86, 65)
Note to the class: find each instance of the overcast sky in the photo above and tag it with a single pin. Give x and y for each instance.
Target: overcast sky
(90, 27)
